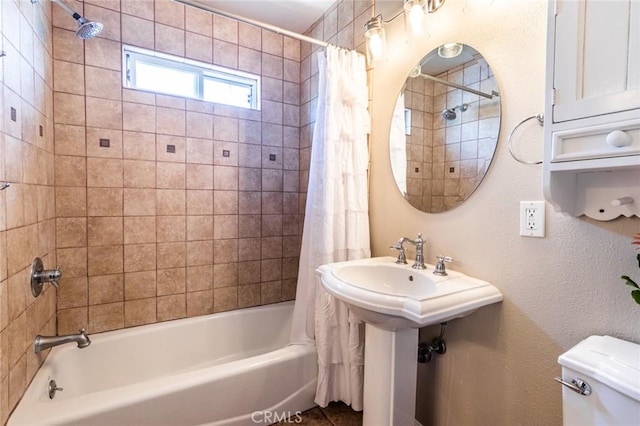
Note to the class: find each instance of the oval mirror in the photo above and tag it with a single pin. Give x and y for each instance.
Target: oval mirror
(444, 128)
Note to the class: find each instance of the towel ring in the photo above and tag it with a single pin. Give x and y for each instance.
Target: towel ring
(540, 118)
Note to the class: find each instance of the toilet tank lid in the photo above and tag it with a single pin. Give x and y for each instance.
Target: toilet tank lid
(611, 361)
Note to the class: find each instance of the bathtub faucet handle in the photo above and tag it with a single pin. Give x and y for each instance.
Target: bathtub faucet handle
(54, 275)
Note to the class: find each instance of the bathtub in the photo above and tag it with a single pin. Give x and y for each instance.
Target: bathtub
(232, 368)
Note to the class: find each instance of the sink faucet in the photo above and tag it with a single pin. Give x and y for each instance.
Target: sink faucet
(402, 257)
(419, 243)
(45, 342)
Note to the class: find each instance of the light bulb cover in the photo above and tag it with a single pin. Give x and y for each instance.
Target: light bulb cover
(414, 12)
(375, 39)
(450, 50)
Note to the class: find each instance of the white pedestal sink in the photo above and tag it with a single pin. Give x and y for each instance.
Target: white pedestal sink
(394, 301)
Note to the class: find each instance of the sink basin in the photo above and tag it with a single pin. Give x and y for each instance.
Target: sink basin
(394, 297)
(394, 301)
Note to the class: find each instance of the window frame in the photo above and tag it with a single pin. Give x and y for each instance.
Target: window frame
(201, 70)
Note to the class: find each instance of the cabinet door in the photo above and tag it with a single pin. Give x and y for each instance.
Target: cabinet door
(596, 58)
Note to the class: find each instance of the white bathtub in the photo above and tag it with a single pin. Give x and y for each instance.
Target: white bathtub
(232, 368)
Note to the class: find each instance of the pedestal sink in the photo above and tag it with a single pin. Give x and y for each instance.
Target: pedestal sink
(394, 301)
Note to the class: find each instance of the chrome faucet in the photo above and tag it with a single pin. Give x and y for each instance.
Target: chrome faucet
(419, 243)
(441, 269)
(45, 342)
(402, 257)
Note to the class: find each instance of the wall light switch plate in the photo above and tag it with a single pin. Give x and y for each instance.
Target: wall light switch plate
(532, 218)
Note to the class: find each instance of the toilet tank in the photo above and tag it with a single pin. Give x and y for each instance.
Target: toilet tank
(610, 367)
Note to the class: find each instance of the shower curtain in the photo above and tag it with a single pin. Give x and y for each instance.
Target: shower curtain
(336, 225)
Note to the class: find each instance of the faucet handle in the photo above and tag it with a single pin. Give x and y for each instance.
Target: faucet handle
(53, 276)
(402, 257)
(440, 268)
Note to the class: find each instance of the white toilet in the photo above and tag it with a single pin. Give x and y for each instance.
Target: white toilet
(601, 378)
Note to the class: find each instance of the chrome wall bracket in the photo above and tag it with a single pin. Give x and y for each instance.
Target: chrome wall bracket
(39, 276)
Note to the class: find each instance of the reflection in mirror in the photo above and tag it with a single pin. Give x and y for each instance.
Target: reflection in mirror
(444, 129)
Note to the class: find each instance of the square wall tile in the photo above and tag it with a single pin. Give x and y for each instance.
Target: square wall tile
(106, 289)
(199, 303)
(139, 285)
(104, 201)
(104, 143)
(104, 231)
(139, 257)
(103, 260)
(169, 39)
(138, 31)
(171, 201)
(139, 202)
(171, 307)
(171, 281)
(109, 316)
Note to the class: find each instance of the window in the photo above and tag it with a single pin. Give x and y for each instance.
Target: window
(172, 75)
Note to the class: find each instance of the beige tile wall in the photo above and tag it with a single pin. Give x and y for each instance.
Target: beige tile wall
(27, 209)
(342, 25)
(145, 234)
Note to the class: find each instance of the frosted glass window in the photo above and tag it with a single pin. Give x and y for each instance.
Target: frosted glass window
(161, 73)
(161, 79)
(227, 92)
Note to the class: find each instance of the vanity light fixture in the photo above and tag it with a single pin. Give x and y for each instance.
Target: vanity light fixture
(413, 11)
(375, 39)
(449, 50)
(413, 16)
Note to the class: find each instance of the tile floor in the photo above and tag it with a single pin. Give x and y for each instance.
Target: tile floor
(335, 414)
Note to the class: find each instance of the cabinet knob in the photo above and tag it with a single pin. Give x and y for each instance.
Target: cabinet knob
(622, 201)
(618, 138)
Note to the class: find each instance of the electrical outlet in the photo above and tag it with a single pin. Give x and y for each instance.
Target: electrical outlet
(532, 218)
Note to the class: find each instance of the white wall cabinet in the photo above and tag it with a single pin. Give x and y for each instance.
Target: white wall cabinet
(592, 108)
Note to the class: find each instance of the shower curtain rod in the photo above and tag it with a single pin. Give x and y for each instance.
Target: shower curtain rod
(458, 86)
(264, 25)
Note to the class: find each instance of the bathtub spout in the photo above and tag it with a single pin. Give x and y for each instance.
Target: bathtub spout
(45, 342)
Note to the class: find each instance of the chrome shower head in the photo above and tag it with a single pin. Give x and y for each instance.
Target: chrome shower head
(450, 113)
(87, 29)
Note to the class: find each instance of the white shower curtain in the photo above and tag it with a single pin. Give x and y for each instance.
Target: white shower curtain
(336, 225)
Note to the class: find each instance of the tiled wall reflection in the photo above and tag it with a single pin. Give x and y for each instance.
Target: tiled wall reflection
(447, 159)
(170, 207)
(27, 209)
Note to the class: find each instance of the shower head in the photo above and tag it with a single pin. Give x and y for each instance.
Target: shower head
(87, 29)
(450, 113)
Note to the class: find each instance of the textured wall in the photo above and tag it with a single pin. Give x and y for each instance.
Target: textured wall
(501, 361)
(27, 213)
